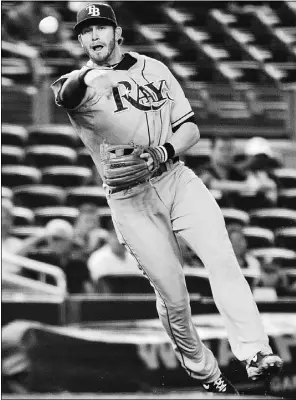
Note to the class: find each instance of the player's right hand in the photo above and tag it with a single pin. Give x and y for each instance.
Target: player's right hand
(100, 80)
(149, 160)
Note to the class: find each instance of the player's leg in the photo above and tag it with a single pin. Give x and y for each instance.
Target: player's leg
(199, 220)
(143, 223)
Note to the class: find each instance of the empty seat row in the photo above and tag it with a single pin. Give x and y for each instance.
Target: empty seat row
(52, 160)
(258, 237)
(58, 134)
(25, 220)
(38, 207)
(270, 218)
(34, 196)
(64, 175)
(285, 257)
(197, 282)
(42, 156)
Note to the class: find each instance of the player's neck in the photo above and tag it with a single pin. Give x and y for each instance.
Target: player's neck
(114, 60)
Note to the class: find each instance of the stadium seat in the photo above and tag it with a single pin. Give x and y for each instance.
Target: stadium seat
(273, 218)
(287, 198)
(12, 155)
(286, 177)
(66, 176)
(22, 216)
(34, 196)
(6, 193)
(258, 237)
(84, 158)
(13, 135)
(285, 257)
(286, 238)
(198, 284)
(76, 197)
(197, 280)
(249, 202)
(42, 156)
(123, 284)
(198, 159)
(45, 214)
(235, 216)
(53, 134)
(18, 175)
(23, 232)
(291, 275)
(221, 200)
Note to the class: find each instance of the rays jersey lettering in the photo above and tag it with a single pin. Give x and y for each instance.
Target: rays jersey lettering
(150, 97)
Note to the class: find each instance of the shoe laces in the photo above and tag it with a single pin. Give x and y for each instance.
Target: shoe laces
(220, 384)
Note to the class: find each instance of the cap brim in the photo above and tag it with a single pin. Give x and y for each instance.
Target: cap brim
(89, 20)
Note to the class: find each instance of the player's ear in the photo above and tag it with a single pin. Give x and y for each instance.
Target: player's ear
(118, 33)
(80, 40)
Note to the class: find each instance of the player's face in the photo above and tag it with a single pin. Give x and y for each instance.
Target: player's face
(59, 245)
(99, 43)
(223, 152)
(87, 222)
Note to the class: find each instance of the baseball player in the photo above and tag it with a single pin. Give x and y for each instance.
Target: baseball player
(135, 120)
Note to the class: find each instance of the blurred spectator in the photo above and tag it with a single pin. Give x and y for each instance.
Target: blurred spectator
(87, 221)
(240, 247)
(222, 174)
(10, 243)
(60, 251)
(273, 276)
(258, 167)
(97, 239)
(111, 259)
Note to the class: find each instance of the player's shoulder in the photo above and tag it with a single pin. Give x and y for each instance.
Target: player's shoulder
(150, 62)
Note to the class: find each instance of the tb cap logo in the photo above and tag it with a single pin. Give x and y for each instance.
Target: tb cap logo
(93, 11)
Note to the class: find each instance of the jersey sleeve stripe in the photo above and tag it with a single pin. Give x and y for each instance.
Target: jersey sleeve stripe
(182, 119)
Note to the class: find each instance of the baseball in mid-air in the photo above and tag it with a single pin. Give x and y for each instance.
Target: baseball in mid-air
(48, 25)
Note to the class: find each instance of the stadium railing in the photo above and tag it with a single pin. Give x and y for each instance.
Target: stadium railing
(13, 283)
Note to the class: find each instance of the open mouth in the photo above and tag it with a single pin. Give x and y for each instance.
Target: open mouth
(97, 47)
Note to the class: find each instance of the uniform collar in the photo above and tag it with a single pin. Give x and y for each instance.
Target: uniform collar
(125, 64)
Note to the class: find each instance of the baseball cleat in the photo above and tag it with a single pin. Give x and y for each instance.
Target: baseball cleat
(263, 365)
(220, 385)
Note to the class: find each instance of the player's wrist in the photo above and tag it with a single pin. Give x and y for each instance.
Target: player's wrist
(163, 154)
(170, 150)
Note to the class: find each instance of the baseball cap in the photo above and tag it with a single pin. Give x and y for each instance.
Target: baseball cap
(95, 11)
(59, 228)
(258, 145)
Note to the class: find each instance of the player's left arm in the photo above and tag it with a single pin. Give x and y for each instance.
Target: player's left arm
(186, 136)
(185, 131)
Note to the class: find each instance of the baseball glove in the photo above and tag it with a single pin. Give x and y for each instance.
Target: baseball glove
(122, 166)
